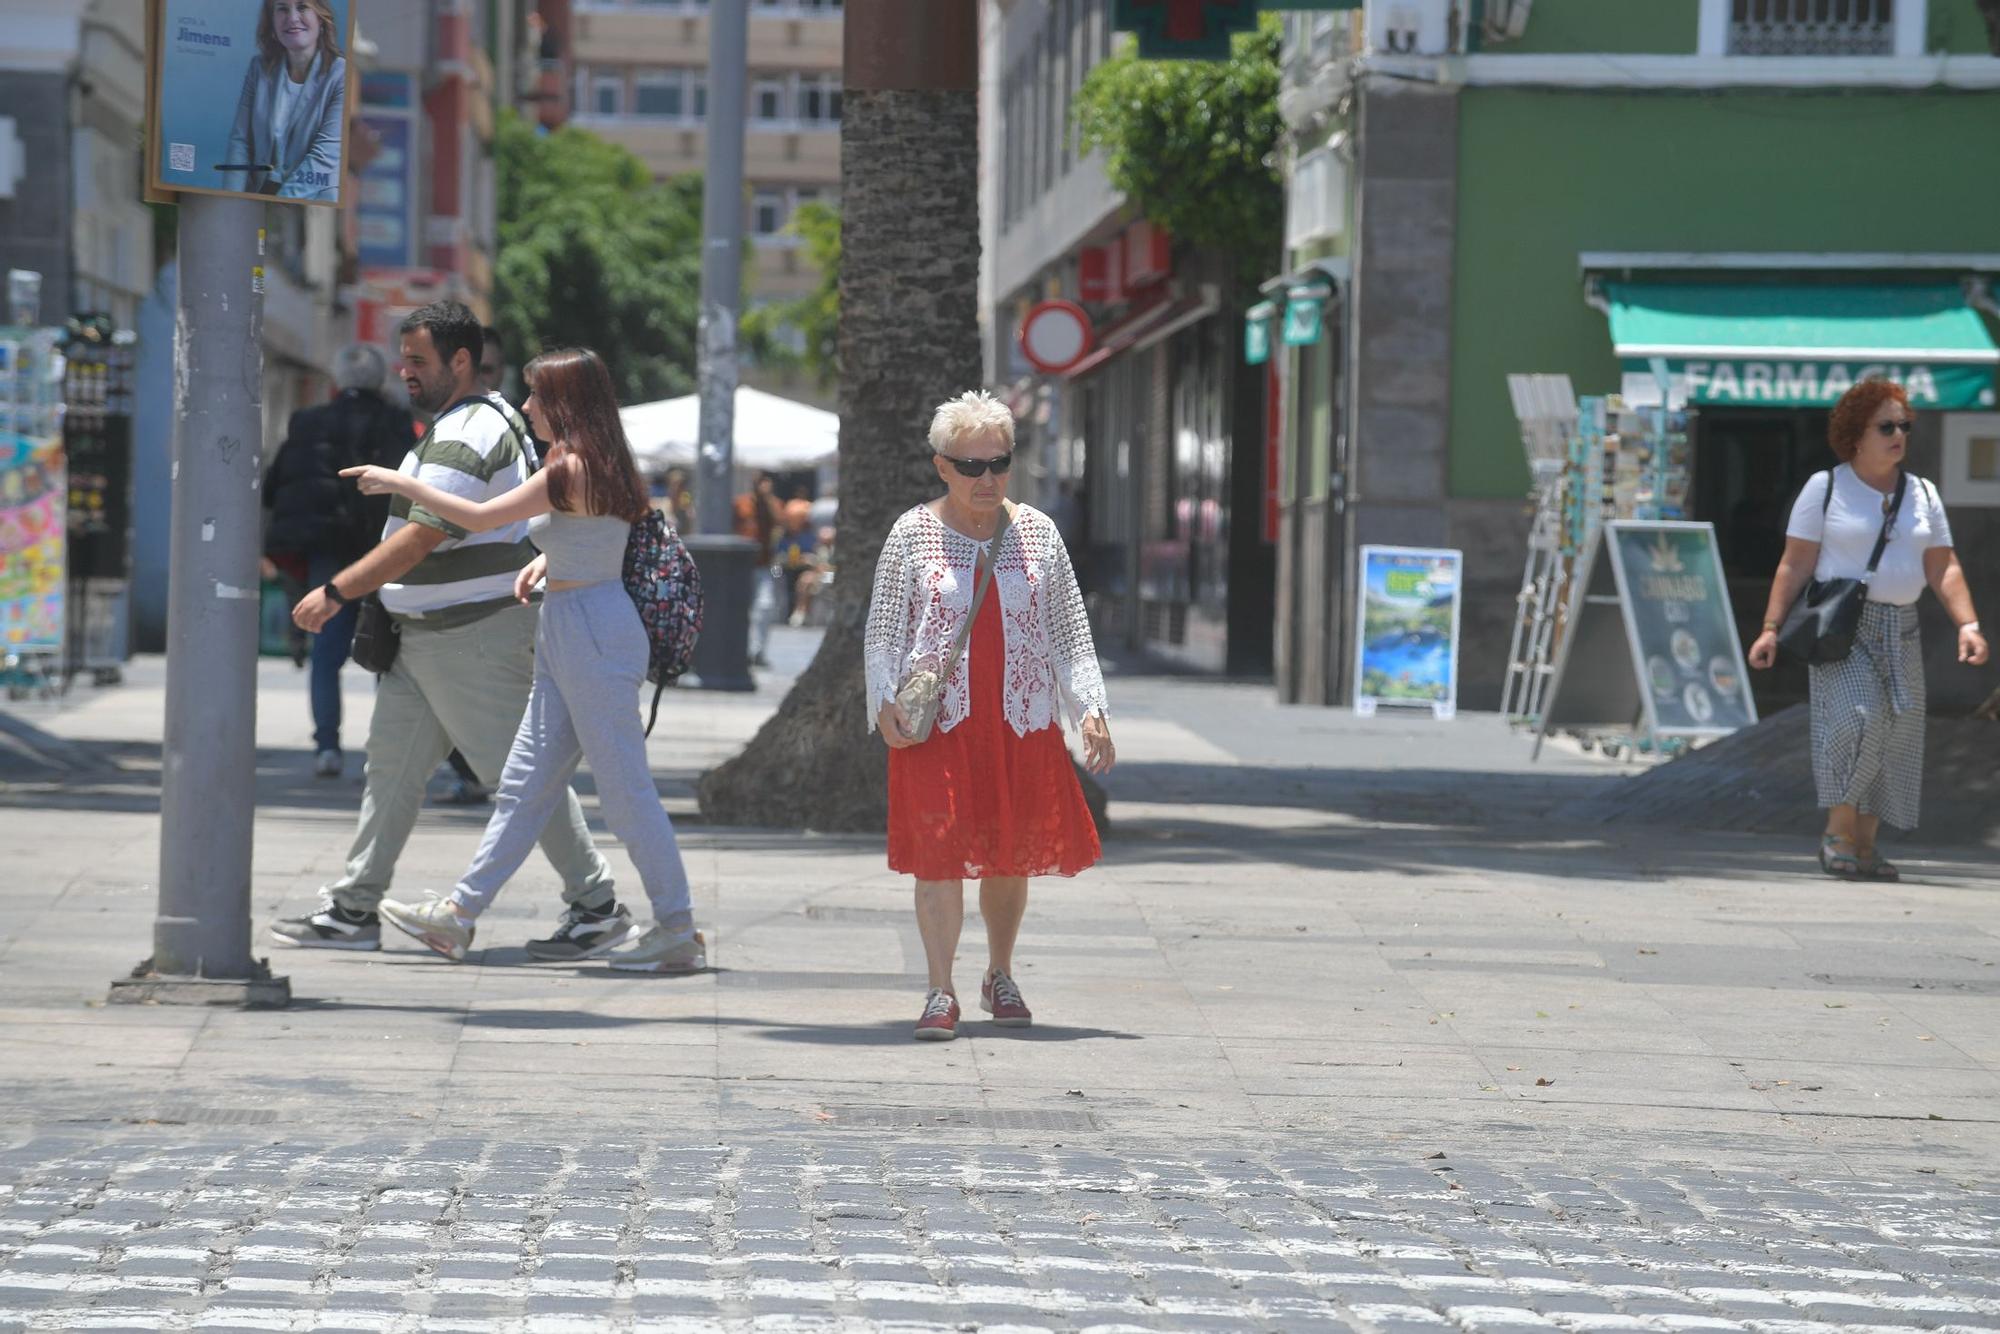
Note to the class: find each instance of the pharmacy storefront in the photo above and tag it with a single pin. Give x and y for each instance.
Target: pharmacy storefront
(1760, 362)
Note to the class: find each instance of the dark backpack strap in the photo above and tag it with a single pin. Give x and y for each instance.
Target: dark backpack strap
(654, 715)
(1826, 503)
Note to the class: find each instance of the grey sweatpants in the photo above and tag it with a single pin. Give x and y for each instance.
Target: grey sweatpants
(463, 687)
(590, 660)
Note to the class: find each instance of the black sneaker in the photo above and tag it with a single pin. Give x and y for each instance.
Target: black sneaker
(584, 934)
(331, 928)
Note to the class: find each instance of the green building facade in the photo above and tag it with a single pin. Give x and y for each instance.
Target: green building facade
(1496, 193)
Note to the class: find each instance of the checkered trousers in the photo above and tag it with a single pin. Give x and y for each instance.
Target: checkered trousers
(1868, 719)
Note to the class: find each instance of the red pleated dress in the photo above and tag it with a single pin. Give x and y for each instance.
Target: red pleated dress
(980, 801)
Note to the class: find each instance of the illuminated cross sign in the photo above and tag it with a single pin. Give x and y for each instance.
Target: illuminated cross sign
(1199, 29)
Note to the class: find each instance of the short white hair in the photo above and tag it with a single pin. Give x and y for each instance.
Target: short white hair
(974, 412)
(359, 366)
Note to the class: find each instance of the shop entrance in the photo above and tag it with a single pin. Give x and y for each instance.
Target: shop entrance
(1749, 466)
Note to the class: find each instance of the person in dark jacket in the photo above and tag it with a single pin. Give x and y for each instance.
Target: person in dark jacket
(313, 519)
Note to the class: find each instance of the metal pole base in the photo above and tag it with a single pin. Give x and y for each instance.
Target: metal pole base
(260, 991)
(722, 654)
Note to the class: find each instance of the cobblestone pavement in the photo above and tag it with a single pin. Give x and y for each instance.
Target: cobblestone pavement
(829, 1233)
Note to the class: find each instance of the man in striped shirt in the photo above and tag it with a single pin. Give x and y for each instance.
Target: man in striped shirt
(462, 675)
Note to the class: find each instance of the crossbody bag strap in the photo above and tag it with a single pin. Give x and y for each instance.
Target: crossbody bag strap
(1888, 517)
(950, 664)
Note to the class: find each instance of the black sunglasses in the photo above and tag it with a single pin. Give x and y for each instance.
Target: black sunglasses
(1887, 430)
(979, 467)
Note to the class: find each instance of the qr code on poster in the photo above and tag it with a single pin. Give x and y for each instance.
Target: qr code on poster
(180, 157)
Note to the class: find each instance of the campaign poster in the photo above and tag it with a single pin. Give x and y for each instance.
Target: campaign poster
(1680, 627)
(250, 97)
(1406, 650)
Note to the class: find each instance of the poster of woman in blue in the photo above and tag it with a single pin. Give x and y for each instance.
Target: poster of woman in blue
(251, 97)
(1406, 651)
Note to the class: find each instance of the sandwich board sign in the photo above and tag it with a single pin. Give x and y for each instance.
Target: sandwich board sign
(1406, 640)
(1651, 642)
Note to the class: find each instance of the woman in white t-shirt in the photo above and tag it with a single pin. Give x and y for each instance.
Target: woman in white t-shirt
(1868, 708)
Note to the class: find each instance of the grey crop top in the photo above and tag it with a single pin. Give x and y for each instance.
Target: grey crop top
(580, 549)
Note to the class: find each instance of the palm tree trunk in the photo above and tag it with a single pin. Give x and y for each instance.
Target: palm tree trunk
(909, 338)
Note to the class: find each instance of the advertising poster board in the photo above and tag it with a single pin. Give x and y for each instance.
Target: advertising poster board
(34, 512)
(1650, 642)
(249, 97)
(1681, 629)
(386, 213)
(1406, 642)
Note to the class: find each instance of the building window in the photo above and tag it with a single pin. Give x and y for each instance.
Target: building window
(663, 95)
(1813, 27)
(607, 95)
(767, 100)
(819, 99)
(767, 212)
(698, 95)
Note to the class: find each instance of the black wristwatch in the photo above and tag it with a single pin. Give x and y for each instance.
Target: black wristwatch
(333, 593)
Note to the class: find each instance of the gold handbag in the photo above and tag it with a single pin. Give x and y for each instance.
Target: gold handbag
(921, 695)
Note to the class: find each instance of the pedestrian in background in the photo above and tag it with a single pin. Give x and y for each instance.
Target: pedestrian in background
(1868, 708)
(795, 552)
(760, 517)
(462, 674)
(591, 655)
(989, 793)
(315, 521)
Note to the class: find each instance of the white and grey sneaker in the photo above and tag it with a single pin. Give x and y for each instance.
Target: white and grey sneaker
(585, 934)
(435, 923)
(327, 764)
(660, 952)
(331, 928)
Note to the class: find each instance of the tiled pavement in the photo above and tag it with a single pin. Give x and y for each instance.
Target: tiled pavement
(859, 1233)
(1671, 1084)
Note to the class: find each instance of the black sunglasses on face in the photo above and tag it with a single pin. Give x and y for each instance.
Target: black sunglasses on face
(1887, 430)
(979, 467)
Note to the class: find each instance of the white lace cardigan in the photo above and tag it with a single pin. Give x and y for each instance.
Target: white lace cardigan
(923, 590)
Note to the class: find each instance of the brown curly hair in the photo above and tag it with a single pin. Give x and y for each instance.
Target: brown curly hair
(1850, 417)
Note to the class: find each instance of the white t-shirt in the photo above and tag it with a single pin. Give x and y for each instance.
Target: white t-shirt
(282, 106)
(1846, 534)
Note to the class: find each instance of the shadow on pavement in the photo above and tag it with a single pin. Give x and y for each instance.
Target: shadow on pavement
(887, 1032)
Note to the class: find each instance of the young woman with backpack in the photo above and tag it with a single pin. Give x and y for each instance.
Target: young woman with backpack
(594, 647)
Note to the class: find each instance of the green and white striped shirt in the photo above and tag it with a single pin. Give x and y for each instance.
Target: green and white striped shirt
(478, 449)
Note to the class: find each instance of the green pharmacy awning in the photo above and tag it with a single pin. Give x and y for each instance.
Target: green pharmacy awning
(1801, 346)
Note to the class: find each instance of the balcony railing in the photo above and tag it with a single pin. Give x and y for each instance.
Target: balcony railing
(1812, 28)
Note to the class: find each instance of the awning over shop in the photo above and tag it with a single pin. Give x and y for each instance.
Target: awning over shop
(1800, 345)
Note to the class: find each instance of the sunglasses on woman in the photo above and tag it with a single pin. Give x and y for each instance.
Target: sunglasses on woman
(980, 467)
(1888, 430)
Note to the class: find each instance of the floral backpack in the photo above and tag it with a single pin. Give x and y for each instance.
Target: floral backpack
(661, 577)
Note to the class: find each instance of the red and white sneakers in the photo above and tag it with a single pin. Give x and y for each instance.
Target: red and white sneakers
(940, 1018)
(999, 997)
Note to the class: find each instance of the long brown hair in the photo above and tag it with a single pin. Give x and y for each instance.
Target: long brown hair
(592, 465)
(267, 34)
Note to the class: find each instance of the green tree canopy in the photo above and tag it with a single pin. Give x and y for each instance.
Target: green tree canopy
(816, 315)
(1193, 143)
(595, 253)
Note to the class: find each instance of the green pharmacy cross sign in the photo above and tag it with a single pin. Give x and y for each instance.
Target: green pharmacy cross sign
(1199, 29)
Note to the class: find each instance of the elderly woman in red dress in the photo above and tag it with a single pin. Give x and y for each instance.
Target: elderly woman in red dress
(990, 794)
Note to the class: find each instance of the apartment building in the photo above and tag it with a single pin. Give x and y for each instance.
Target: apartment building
(636, 72)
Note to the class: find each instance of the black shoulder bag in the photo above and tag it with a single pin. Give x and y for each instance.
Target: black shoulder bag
(1821, 624)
